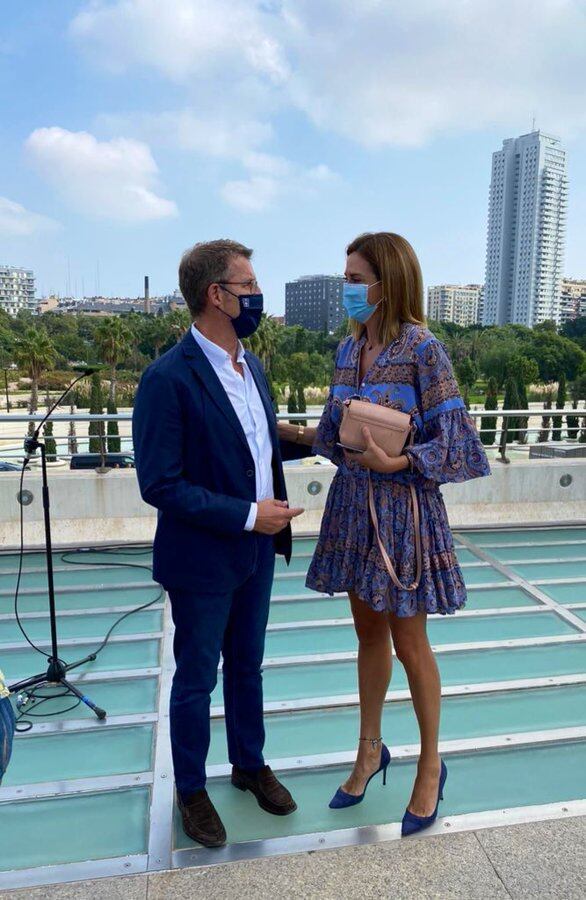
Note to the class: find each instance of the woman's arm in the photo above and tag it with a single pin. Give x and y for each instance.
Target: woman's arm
(449, 448)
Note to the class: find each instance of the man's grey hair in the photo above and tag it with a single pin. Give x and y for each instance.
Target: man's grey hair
(204, 264)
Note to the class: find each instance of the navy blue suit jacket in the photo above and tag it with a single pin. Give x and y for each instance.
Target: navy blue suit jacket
(194, 465)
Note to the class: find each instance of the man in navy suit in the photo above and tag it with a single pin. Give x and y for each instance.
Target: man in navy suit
(209, 458)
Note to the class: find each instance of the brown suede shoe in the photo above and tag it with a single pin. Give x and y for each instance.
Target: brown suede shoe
(201, 822)
(271, 795)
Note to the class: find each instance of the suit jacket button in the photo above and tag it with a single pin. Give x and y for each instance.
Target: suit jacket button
(250, 473)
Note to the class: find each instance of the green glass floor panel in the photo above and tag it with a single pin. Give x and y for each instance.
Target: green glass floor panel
(581, 613)
(537, 571)
(310, 609)
(19, 664)
(9, 561)
(142, 556)
(530, 535)
(74, 829)
(303, 546)
(476, 782)
(510, 555)
(566, 593)
(335, 730)
(89, 599)
(298, 682)
(73, 576)
(498, 598)
(85, 626)
(118, 698)
(340, 638)
(315, 608)
(89, 754)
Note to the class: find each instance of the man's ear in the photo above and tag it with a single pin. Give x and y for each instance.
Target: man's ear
(213, 296)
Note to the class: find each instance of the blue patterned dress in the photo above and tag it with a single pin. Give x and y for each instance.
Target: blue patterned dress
(413, 374)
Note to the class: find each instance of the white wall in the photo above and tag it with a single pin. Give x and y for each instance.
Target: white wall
(91, 508)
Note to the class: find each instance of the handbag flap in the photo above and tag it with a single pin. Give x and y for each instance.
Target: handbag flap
(381, 416)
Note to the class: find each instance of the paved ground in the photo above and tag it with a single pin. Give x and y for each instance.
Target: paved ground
(540, 860)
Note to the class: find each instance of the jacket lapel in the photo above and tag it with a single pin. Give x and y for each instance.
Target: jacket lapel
(196, 359)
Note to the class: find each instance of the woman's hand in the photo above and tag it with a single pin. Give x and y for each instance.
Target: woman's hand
(375, 458)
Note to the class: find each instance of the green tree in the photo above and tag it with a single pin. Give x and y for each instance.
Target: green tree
(34, 352)
(178, 321)
(575, 330)
(557, 421)
(301, 404)
(113, 339)
(522, 421)
(511, 401)
(72, 436)
(112, 430)
(555, 354)
(292, 402)
(543, 435)
(489, 422)
(96, 429)
(50, 445)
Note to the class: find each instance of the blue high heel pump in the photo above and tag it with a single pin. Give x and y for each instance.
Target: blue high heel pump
(412, 823)
(341, 799)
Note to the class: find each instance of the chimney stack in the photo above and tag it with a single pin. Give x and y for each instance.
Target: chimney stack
(147, 297)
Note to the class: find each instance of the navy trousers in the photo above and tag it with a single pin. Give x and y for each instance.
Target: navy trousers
(232, 625)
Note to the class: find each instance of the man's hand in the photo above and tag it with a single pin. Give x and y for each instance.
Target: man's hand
(273, 516)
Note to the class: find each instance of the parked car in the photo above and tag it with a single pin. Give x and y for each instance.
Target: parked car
(94, 461)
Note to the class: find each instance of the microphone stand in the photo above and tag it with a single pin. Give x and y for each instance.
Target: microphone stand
(57, 669)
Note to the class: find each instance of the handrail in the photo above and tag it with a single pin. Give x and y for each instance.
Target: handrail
(284, 416)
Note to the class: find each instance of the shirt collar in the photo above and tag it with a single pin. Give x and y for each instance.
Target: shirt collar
(215, 354)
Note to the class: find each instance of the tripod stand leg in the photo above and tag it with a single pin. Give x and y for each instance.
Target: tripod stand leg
(100, 713)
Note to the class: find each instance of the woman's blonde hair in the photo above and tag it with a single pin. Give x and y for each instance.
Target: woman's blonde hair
(395, 264)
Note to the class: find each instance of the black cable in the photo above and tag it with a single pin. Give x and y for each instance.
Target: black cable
(20, 563)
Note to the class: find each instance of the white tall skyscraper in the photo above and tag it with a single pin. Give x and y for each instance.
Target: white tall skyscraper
(526, 231)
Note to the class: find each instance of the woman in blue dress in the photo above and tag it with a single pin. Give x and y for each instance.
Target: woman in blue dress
(391, 358)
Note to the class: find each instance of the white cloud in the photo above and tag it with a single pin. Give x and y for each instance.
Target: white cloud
(270, 178)
(376, 72)
(181, 39)
(384, 73)
(214, 135)
(16, 221)
(109, 179)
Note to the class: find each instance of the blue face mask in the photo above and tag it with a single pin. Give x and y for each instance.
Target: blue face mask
(251, 308)
(355, 300)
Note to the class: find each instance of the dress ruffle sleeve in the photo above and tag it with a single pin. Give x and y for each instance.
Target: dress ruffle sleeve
(447, 447)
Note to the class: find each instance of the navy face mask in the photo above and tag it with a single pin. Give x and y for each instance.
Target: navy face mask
(251, 309)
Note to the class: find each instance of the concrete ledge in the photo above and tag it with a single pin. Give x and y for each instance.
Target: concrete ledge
(538, 860)
(88, 507)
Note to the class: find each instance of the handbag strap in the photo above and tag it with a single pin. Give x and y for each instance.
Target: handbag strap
(416, 525)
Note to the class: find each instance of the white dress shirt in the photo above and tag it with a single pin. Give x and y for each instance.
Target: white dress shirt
(246, 401)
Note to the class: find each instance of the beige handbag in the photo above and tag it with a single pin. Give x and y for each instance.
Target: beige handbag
(391, 430)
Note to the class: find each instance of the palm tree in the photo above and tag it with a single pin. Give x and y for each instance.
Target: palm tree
(178, 321)
(35, 353)
(113, 339)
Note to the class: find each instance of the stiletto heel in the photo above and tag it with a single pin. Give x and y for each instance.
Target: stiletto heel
(341, 799)
(412, 823)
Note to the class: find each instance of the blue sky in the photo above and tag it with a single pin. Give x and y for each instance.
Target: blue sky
(133, 128)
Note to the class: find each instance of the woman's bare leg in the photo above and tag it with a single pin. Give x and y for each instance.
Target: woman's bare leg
(413, 651)
(374, 675)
